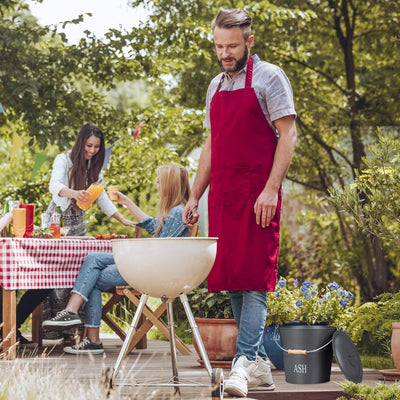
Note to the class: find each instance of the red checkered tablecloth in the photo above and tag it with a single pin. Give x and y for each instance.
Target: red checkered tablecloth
(44, 263)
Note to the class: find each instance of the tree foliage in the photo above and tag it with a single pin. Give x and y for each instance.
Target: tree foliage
(49, 88)
(341, 56)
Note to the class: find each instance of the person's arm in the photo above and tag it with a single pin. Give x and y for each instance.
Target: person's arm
(79, 195)
(59, 180)
(123, 220)
(110, 209)
(124, 200)
(189, 213)
(5, 220)
(265, 205)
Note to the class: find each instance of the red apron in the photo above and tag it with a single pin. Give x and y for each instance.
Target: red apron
(242, 153)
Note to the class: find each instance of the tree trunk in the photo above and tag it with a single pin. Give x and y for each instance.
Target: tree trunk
(375, 282)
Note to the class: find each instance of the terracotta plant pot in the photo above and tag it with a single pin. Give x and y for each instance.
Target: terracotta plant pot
(219, 338)
(395, 344)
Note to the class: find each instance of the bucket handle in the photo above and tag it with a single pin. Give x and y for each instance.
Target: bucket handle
(297, 351)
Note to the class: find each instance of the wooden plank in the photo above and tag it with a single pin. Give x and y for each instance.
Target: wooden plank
(9, 323)
(154, 363)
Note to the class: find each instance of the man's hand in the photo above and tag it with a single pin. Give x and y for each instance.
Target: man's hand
(189, 214)
(265, 207)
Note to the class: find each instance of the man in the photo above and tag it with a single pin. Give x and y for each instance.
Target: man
(251, 115)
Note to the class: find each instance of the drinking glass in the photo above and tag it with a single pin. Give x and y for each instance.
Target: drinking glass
(13, 204)
(111, 195)
(45, 220)
(55, 226)
(19, 221)
(30, 213)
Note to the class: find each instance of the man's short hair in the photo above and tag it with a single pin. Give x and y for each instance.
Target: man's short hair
(227, 19)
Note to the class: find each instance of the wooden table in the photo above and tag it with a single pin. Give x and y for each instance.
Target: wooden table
(39, 264)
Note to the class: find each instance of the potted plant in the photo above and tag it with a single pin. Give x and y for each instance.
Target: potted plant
(306, 310)
(309, 304)
(217, 327)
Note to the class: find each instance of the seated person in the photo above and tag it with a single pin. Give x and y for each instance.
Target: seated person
(99, 273)
(29, 300)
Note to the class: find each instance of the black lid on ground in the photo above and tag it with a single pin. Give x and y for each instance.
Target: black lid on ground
(347, 356)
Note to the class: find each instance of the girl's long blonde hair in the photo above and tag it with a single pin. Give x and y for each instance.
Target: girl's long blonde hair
(174, 190)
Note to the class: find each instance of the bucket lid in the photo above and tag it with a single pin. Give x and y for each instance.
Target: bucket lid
(347, 356)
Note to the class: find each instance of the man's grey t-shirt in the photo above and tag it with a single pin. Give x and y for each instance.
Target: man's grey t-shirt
(270, 83)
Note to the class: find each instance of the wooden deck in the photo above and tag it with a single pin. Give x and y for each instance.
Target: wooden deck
(146, 373)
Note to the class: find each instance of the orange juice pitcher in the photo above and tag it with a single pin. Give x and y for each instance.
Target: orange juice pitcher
(95, 190)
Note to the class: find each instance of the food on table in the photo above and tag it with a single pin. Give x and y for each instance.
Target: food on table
(108, 236)
(42, 233)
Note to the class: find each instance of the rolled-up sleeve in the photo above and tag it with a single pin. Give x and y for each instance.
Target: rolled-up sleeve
(279, 95)
(106, 204)
(150, 224)
(59, 180)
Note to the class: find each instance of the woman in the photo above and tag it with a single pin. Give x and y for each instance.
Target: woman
(73, 172)
(99, 273)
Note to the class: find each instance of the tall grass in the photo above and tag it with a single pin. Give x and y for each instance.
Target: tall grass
(25, 381)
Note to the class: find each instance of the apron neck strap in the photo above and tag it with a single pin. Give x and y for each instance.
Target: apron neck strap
(249, 73)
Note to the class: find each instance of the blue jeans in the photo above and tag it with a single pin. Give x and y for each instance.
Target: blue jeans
(98, 273)
(250, 311)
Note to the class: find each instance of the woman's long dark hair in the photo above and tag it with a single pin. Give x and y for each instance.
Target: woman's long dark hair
(85, 172)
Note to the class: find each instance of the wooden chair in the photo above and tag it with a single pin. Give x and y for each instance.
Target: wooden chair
(148, 318)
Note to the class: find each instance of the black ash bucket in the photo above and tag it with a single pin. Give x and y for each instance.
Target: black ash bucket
(307, 352)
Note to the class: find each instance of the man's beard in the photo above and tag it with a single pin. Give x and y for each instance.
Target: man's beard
(240, 64)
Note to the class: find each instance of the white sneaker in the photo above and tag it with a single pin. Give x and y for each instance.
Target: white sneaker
(239, 376)
(261, 376)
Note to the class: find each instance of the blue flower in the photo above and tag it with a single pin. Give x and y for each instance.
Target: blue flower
(296, 283)
(307, 296)
(343, 303)
(277, 294)
(281, 284)
(314, 293)
(347, 294)
(299, 303)
(333, 286)
(306, 285)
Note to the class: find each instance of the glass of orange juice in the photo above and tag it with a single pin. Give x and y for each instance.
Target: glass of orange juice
(111, 194)
(19, 222)
(95, 190)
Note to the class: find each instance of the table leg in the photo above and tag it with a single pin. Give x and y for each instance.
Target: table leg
(37, 319)
(9, 323)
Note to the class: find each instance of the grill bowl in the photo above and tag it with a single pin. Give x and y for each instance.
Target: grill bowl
(164, 267)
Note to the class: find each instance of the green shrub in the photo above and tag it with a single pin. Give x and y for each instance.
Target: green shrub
(373, 322)
(365, 392)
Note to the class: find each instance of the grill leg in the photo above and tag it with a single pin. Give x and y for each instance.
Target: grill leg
(196, 333)
(173, 346)
(129, 335)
